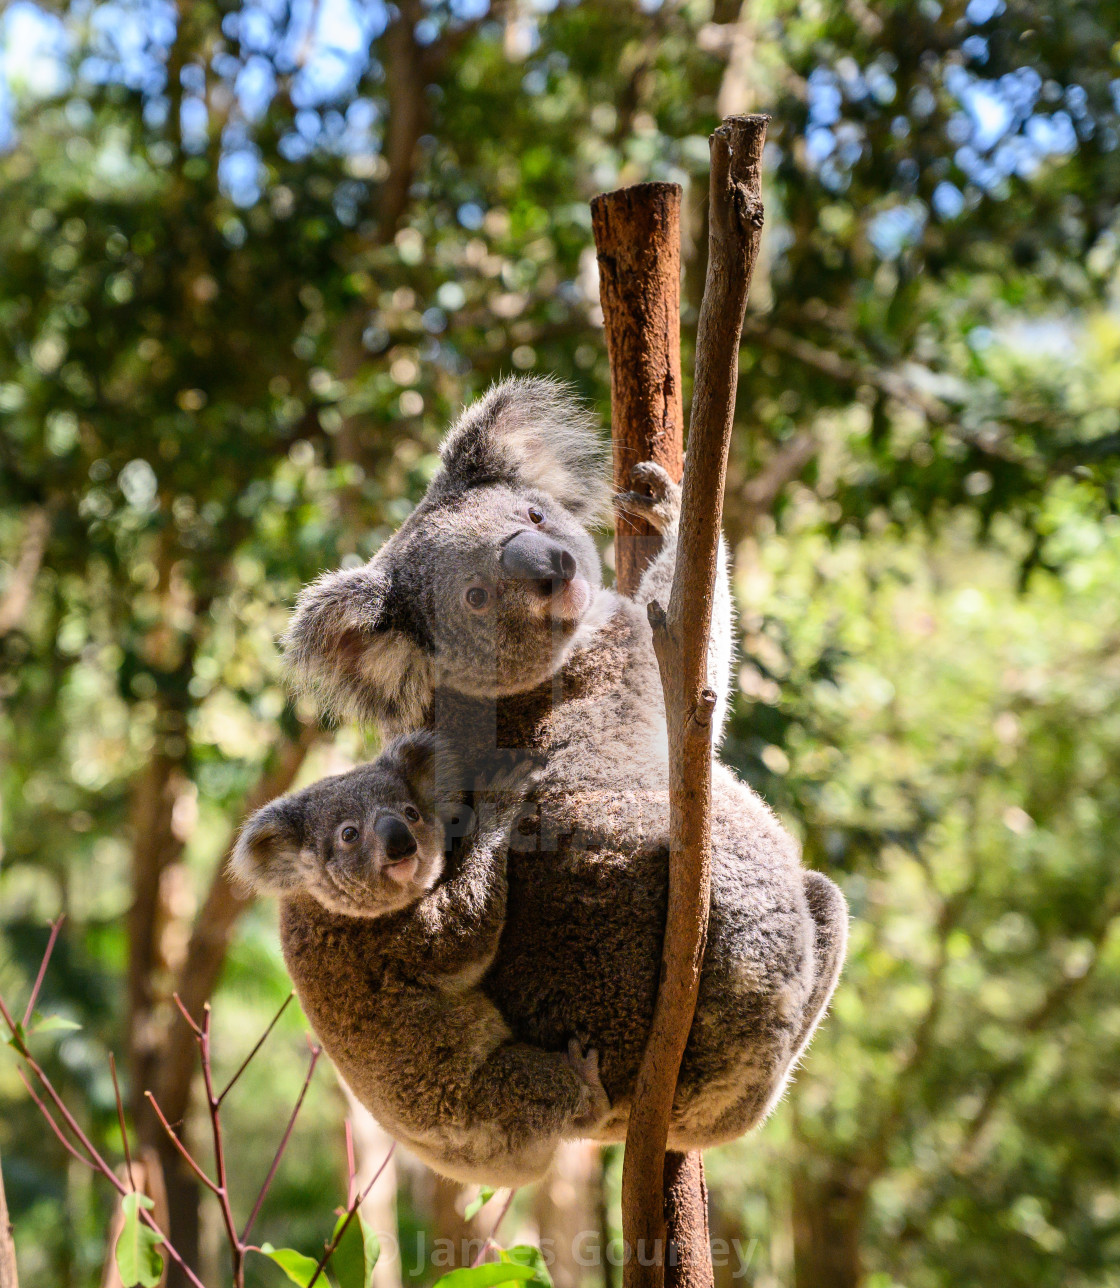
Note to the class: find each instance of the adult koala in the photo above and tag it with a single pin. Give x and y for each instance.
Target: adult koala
(484, 617)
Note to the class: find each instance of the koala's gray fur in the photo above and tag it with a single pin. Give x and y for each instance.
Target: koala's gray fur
(387, 959)
(565, 670)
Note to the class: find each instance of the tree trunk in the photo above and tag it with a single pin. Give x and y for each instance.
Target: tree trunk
(565, 1208)
(9, 1277)
(638, 244)
(827, 1219)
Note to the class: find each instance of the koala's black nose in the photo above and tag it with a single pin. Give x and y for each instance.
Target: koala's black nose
(533, 557)
(398, 841)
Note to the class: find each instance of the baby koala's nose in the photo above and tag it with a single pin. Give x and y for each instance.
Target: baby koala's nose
(398, 841)
(532, 556)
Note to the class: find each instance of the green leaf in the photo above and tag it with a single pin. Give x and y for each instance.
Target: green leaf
(476, 1205)
(138, 1261)
(52, 1024)
(524, 1254)
(295, 1265)
(371, 1246)
(488, 1275)
(16, 1040)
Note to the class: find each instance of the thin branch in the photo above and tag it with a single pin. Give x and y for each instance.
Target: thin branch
(186, 1015)
(56, 926)
(489, 1242)
(351, 1211)
(260, 1042)
(66, 1145)
(680, 638)
(120, 1119)
(237, 1250)
(185, 1153)
(315, 1054)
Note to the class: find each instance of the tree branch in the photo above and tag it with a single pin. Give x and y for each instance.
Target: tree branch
(680, 638)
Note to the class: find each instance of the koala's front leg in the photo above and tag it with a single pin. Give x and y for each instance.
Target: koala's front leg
(661, 509)
(460, 922)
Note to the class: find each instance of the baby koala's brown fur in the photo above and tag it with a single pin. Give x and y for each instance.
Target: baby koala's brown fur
(359, 863)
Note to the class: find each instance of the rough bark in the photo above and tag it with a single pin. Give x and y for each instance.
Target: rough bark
(680, 637)
(638, 243)
(9, 1277)
(689, 1260)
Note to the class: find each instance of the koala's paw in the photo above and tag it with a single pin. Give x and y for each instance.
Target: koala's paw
(516, 782)
(595, 1104)
(661, 507)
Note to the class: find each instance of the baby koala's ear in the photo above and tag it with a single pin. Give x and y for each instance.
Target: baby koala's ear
(265, 858)
(429, 767)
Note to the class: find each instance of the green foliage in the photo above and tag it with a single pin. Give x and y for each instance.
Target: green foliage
(138, 1257)
(233, 323)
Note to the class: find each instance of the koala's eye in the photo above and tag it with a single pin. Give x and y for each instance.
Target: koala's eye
(412, 814)
(535, 515)
(348, 834)
(478, 597)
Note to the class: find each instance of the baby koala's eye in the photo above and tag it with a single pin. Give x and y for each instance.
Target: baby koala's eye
(412, 814)
(478, 597)
(535, 515)
(348, 834)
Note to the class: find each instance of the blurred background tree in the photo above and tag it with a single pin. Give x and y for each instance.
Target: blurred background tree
(253, 257)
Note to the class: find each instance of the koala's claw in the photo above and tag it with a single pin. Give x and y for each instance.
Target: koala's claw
(661, 507)
(596, 1103)
(517, 781)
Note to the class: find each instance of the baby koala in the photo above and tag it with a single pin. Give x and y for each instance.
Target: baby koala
(389, 926)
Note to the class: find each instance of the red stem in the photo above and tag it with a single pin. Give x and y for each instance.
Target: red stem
(260, 1042)
(120, 1119)
(350, 1211)
(494, 1229)
(316, 1052)
(56, 926)
(183, 1151)
(236, 1246)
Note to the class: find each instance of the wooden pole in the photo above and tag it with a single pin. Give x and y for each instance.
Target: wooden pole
(638, 241)
(9, 1276)
(680, 637)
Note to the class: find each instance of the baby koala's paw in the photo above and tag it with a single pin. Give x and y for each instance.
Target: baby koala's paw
(595, 1103)
(662, 507)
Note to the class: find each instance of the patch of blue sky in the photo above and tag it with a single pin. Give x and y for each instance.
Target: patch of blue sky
(896, 229)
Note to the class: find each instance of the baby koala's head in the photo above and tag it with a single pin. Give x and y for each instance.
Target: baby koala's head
(365, 843)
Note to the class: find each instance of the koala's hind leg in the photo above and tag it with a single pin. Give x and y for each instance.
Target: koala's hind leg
(502, 1119)
(830, 919)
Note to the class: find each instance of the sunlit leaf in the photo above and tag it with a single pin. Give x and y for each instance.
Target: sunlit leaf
(477, 1204)
(138, 1259)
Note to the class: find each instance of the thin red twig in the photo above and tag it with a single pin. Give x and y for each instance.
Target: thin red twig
(186, 1015)
(351, 1170)
(316, 1052)
(120, 1119)
(351, 1210)
(56, 926)
(236, 1246)
(185, 1153)
(53, 1125)
(494, 1229)
(260, 1042)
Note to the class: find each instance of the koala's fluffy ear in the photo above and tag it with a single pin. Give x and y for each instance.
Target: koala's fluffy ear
(431, 769)
(356, 650)
(533, 432)
(266, 856)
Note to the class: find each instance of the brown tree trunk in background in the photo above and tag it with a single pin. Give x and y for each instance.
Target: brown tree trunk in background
(828, 1216)
(161, 1046)
(379, 1208)
(638, 244)
(565, 1206)
(9, 1277)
